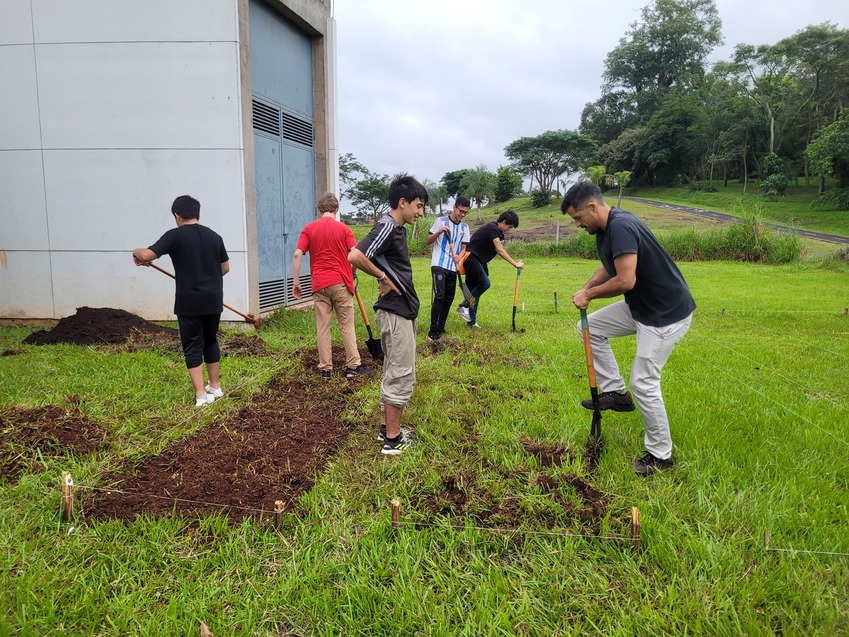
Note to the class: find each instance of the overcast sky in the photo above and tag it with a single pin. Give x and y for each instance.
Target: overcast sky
(429, 86)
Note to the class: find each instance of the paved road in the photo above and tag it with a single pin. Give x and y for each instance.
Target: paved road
(721, 216)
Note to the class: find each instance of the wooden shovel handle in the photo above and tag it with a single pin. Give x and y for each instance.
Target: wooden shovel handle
(250, 319)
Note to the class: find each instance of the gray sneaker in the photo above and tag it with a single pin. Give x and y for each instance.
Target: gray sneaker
(611, 400)
(464, 313)
(381, 435)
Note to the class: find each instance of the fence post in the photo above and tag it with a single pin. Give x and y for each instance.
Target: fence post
(278, 514)
(396, 516)
(67, 496)
(635, 527)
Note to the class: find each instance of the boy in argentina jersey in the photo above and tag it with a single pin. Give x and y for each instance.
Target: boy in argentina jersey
(450, 228)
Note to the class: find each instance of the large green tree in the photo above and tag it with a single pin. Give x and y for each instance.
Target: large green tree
(452, 181)
(666, 49)
(553, 153)
(829, 152)
(508, 184)
(478, 184)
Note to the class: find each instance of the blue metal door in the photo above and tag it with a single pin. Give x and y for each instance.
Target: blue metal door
(281, 79)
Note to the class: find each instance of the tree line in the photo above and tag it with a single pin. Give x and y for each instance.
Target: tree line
(776, 112)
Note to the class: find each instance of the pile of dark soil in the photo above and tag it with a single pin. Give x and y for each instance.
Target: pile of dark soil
(96, 326)
(49, 431)
(270, 450)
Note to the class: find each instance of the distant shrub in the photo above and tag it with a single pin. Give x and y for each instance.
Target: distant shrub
(774, 186)
(540, 198)
(836, 199)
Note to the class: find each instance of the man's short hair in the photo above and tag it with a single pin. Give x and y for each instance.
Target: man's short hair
(404, 186)
(579, 194)
(186, 207)
(510, 218)
(327, 203)
(463, 201)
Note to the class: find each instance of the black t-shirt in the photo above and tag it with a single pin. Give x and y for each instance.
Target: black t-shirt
(386, 246)
(660, 295)
(481, 244)
(197, 254)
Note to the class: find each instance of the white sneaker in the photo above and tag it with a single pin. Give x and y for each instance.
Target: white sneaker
(217, 393)
(463, 312)
(475, 325)
(203, 401)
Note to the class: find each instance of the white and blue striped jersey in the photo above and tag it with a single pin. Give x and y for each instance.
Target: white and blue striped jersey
(459, 234)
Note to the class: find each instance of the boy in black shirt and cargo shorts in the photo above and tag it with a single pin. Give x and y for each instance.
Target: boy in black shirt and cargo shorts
(383, 254)
(200, 263)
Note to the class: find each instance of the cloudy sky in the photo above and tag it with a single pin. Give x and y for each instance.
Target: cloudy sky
(429, 86)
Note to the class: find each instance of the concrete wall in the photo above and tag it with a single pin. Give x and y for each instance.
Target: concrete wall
(110, 110)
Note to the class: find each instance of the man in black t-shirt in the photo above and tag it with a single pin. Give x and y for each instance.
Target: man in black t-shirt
(658, 308)
(383, 254)
(200, 263)
(484, 245)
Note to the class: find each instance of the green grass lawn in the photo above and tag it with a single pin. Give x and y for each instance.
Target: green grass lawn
(756, 394)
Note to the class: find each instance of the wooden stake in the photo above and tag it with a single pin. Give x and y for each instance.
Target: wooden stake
(396, 516)
(67, 496)
(555, 302)
(557, 235)
(846, 311)
(766, 539)
(635, 527)
(278, 514)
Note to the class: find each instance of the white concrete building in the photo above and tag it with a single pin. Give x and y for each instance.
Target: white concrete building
(112, 108)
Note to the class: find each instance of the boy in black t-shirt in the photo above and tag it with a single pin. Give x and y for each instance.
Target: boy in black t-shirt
(200, 263)
(383, 254)
(484, 245)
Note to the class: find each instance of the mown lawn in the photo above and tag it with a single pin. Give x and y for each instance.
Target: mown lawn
(757, 399)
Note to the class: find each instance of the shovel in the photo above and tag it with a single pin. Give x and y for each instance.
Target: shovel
(595, 429)
(256, 322)
(373, 344)
(467, 294)
(516, 299)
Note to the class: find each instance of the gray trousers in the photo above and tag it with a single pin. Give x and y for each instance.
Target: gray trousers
(654, 346)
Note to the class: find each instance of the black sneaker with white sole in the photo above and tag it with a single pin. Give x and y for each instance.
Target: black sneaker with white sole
(358, 371)
(397, 446)
(611, 400)
(650, 464)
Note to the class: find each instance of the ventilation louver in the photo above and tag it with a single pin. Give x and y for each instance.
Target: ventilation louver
(266, 118)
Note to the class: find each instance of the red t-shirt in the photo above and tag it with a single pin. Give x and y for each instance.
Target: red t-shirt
(328, 241)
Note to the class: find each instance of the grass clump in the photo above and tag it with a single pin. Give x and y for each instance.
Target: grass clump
(748, 240)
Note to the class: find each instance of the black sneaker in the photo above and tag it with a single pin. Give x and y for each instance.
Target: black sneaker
(358, 371)
(611, 400)
(397, 447)
(434, 336)
(324, 373)
(648, 464)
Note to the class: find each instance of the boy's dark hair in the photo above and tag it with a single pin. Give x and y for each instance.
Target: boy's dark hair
(462, 201)
(186, 207)
(579, 194)
(510, 218)
(405, 187)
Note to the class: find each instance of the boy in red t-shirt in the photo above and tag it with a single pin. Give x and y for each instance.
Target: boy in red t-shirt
(328, 241)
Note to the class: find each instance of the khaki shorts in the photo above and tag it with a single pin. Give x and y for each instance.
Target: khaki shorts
(398, 338)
